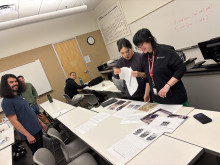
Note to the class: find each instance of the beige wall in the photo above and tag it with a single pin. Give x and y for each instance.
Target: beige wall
(97, 52)
(49, 62)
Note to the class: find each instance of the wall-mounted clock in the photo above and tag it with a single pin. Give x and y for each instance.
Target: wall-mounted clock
(90, 40)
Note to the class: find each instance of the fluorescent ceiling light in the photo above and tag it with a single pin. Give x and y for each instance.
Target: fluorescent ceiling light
(6, 9)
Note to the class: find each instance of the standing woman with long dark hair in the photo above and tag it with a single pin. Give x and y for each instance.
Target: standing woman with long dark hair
(163, 68)
(131, 59)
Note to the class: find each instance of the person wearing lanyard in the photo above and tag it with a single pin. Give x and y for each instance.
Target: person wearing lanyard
(163, 68)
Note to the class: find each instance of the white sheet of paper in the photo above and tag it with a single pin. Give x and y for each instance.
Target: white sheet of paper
(133, 118)
(107, 87)
(61, 113)
(3, 127)
(85, 127)
(124, 112)
(7, 138)
(131, 145)
(166, 124)
(87, 59)
(99, 117)
(168, 107)
(131, 82)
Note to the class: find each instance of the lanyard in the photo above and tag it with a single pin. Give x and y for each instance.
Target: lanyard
(151, 67)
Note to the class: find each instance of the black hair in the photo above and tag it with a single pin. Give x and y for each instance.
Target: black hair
(72, 73)
(144, 35)
(20, 76)
(5, 90)
(123, 43)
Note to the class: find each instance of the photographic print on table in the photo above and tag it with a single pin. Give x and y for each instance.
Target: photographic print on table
(117, 104)
(123, 105)
(161, 112)
(147, 107)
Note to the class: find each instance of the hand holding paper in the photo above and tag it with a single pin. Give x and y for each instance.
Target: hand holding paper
(131, 82)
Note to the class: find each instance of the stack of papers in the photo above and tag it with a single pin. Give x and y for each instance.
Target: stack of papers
(131, 145)
(164, 120)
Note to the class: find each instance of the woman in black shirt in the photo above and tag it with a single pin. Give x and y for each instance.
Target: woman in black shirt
(163, 68)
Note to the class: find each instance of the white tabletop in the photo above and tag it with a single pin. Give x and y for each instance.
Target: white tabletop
(203, 135)
(75, 117)
(168, 151)
(56, 107)
(6, 156)
(110, 131)
(8, 137)
(165, 150)
(104, 86)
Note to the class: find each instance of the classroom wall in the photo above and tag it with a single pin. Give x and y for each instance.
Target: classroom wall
(97, 53)
(27, 37)
(49, 63)
(134, 10)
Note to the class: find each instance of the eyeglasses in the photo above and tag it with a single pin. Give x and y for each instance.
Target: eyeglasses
(139, 46)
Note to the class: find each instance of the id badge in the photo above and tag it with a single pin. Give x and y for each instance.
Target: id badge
(155, 91)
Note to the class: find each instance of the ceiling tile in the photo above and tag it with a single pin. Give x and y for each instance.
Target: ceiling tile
(29, 7)
(65, 4)
(49, 6)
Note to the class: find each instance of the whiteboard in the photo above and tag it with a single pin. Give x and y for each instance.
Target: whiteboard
(182, 23)
(34, 73)
(112, 24)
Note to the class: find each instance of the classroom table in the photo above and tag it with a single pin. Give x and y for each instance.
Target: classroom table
(56, 108)
(110, 131)
(168, 151)
(204, 135)
(6, 156)
(9, 135)
(104, 86)
(76, 117)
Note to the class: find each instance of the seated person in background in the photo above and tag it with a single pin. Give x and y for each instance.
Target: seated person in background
(30, 94)
(131, 59)
(71, 88)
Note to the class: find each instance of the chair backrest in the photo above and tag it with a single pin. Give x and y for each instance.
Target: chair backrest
(110, 94)
(55, 134)
(44, 157)
(69, 100)
(119, 83)
(92, 99)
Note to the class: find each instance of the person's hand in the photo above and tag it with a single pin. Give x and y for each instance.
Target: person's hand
(117, 71)
(38, 100)
(44, 127)
(163, 92)
(146, 97)
(135, 74)
(86, 83)
(31, 139)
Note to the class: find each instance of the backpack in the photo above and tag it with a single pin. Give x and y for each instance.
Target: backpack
(95, 81)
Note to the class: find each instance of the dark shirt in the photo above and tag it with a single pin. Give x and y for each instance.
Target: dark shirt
(26, 116)
(135, 64)
(167, 64)
(71, 88)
